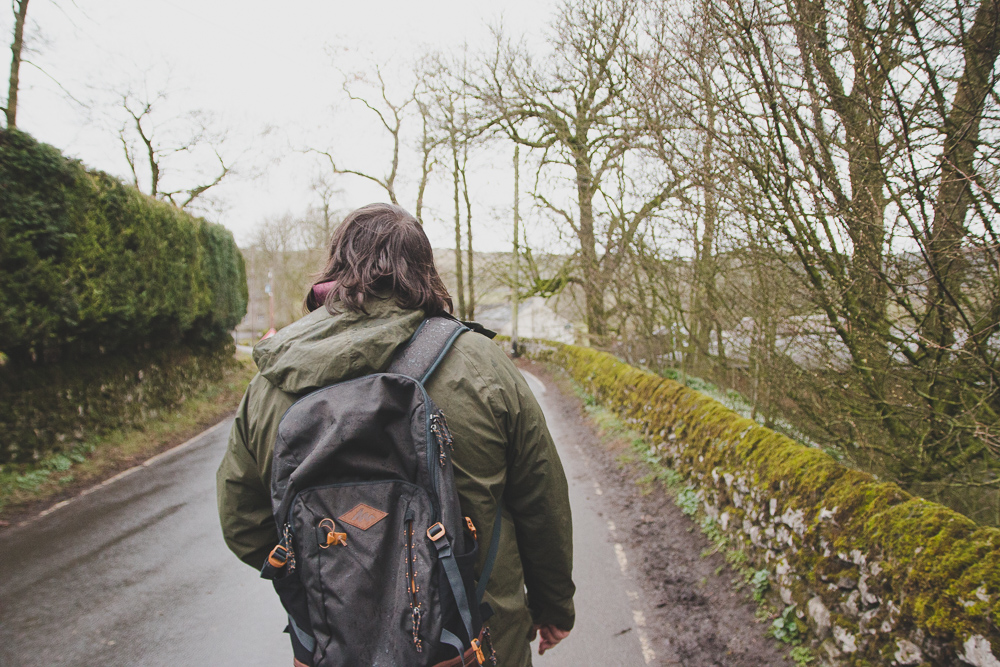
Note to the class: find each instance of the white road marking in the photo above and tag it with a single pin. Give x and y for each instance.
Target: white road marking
(639, 619)
(648, 654)
(125, 473)
(53, 508)
(536, 385)
(647, 649)
(173, 451)
(622, 560)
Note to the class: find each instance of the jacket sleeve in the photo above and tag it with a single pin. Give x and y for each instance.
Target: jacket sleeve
(537, 498)
(244, 502)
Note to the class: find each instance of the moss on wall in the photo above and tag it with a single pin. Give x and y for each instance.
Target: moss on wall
(881, 576)
(53, 407)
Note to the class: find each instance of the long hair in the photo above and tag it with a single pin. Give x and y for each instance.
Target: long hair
(380, 249)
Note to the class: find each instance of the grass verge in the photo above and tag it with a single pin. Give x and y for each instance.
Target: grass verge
(27, 488)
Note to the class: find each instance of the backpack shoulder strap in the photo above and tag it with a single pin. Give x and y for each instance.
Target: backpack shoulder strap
(425, 350)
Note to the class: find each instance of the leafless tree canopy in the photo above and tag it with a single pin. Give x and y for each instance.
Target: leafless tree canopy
(793, 199)
(792, 202)
(153, 142)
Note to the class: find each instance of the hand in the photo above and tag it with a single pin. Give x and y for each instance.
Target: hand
(551, 635)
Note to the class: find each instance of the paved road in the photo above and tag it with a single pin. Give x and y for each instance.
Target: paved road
(136, 573)
(608, 610)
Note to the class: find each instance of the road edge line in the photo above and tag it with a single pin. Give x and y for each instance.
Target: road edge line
(531, 377)
(176, 449)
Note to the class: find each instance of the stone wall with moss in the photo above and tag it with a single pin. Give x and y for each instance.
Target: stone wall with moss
(51, 408)
(880, 576)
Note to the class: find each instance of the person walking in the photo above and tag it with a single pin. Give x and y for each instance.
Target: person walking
(379, 285)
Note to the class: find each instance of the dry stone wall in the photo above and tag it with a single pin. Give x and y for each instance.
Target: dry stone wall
(55, 407)
(880, 576)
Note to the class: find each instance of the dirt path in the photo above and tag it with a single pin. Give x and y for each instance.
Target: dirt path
(682, 611)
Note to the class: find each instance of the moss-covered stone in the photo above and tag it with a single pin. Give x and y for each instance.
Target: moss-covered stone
(888, 566)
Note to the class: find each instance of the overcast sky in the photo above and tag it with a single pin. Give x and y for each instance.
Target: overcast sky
(267, 73)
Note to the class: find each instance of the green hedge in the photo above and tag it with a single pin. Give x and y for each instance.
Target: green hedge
(884, 577)
(90, 266)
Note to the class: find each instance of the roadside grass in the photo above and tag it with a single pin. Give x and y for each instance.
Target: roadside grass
(26, 487)
(785, 625)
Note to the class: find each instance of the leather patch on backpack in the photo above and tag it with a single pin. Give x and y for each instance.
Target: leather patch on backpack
(363, 516)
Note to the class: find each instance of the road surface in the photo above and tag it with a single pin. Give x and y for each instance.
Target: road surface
(135, 572)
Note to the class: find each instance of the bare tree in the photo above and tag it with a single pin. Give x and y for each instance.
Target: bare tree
(392, 113)
(574, 108)
(321, 220)
(865, 131)
(458, 131)
(20, 15)
(152, 141)
(281, 246)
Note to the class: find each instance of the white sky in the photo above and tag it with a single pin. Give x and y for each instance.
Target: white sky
(252, 66)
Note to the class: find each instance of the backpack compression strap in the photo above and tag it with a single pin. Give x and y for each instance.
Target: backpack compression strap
(428, 346)
(491, 555)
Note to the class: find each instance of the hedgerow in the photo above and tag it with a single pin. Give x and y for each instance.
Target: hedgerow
(52, 408)
(90, 266)
(112, 304)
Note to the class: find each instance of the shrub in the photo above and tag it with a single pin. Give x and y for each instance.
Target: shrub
(112, 305)
(89, 266)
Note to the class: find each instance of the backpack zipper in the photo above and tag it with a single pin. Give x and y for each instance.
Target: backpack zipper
(435, 498)
(411, 581)
(439, 427)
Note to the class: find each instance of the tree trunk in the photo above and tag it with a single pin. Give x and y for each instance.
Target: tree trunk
(515, 296)
(459, 273)
(946, 257)
(470, 308)
(15, 61)
(961, 137)
(593, 288)
(426, 146)
(705, 305)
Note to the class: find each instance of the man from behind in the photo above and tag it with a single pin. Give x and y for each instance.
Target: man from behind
(378, 286)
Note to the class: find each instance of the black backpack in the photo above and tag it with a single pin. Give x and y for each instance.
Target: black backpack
(375, 563)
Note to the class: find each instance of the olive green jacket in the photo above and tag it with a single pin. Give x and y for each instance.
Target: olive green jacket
(502, 450)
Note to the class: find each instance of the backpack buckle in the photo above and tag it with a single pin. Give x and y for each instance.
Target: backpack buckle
(477, 646)
(472, 528)
(435, 532)
(278, 557)
(332, 536)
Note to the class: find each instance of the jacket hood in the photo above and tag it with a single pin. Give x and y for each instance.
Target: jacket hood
(321, 349)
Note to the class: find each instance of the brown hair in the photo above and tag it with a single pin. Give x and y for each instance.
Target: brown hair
(380, 249)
